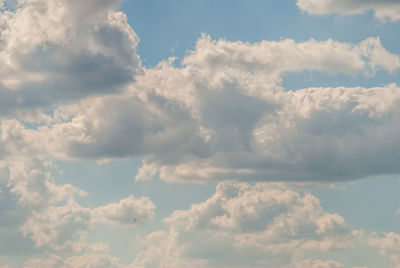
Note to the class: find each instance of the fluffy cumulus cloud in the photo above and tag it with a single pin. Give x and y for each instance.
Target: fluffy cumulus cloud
(261, 225)
(40, 210)
(241, 225)
(225, 115)
(49, 215)
(56, 51)
(248, 226)
(129, 211)
(382, 9)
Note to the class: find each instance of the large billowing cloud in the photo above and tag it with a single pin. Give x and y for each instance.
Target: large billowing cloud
(225, 115)
(383, 9)
(222, 115)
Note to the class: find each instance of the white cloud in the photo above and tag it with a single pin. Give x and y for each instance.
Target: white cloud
(59, 227)
(265, 225)
(382, 9)
(48, 214)
(225, 115)
(129, 211)
(246, 226)
(42, 211)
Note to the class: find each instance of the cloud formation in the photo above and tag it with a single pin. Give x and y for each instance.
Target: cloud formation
(129, 211)
(49, 215)
(247, 226)
(225, 115)
(72, 87)
(388, 244)
(57, 51)
(382, 9)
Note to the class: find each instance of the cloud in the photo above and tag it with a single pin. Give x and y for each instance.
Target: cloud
(59, 227)
(72, 87)
(49, 215)
(129, 211)
(225, 115)
(52, 53)
(389, 244)
(382, 9)
(263, 225)
(58, 51)
(45, 213)
(260, 225)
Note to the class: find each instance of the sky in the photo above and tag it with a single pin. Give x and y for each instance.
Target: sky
(202, 133)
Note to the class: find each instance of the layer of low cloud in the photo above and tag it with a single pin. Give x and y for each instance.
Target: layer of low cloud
(241, 225)
(382, 9)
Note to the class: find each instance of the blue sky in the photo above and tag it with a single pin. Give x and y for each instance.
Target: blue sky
(149, 133)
